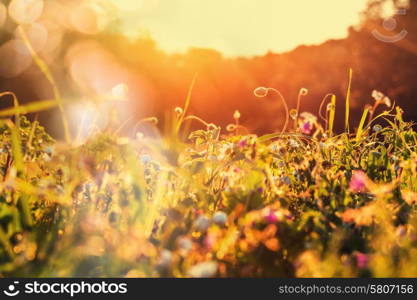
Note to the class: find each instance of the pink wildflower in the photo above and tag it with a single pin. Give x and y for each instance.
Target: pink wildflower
(271, 217)
(361, 260)
(358, 181)
(242, 143)
(306, 127)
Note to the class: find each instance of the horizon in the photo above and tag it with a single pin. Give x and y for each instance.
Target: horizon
(196, 28)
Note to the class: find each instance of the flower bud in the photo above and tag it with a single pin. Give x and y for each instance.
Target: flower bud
(236, 115)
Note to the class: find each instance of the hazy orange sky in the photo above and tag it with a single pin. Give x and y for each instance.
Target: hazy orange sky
(239, 27)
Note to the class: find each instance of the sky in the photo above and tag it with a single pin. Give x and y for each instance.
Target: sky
(239, 27)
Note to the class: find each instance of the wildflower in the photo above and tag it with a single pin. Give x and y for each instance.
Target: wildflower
(236, 115)
(49, 150)
(261, 92)
(377, 128)
(220, 218)
(308, 116)
(306, 127)
(210, 240)
(271, 217)
(145, 159)
(377, 95)
(303, 91)
(165, 258)
(202, 223)
(197, 212)
(401, 231)
(203, 270)
(380, 97)
(361, 260)
(358, 181)
(387, 101)
(286, 180)
(185, 245)
(242, 143)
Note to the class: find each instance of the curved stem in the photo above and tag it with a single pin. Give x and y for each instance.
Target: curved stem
(15, 104)
(321, 107)
(192, 117)
(300, 95)
(372, 111)
(151, 120)
(285, 108)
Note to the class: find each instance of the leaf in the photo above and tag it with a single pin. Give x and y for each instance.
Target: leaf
(268, 137)
(16, 146)
(361, 124)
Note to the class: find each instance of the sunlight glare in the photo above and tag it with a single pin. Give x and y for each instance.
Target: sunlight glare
(241, 27)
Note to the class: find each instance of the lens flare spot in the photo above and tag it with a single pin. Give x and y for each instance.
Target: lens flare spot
(15, 58)
(25, 11)
(36, 33)
(86, 19)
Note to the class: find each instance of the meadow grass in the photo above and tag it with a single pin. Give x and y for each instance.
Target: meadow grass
(306, 202)
(302, 202)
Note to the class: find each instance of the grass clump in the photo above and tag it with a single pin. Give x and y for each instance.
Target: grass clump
(299, 203)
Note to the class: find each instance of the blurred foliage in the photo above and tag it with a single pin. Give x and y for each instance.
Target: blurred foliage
(222, 203)
(311, 201)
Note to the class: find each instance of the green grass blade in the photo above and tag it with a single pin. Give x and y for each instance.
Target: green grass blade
(16, 146)
(361, 124)
(187, 102)
(332, 114)
(45, 70)
(29, 108)
(348, 101)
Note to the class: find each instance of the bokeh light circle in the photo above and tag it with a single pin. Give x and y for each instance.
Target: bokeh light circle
(25, 11)
(15, 58)
(36, 33)
(84, 19)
